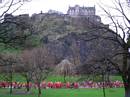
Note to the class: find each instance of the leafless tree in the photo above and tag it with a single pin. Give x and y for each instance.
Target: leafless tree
(10, 6)
(7, 24)
(26, 69)
(41, 64)
(118, 33)
(65, 68)
(10, 61)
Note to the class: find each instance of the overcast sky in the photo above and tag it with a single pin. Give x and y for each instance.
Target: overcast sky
(36, 6)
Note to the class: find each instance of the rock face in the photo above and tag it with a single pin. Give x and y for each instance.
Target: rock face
(81, 53)
(67, 37)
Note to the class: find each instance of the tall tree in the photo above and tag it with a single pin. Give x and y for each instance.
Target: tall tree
(118, 33)
(9, 24)
(26, 67)
(65, 68)
(41, 60)
(10, 6)
(10, 61)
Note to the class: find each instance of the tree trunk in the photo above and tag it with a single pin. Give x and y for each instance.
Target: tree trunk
(127, 87)
(127, 91)
(11, 89)
(108, 77)
(103, 77)
(39, 90)
(126, 81)
(64, 78)
(126, 72)
(27, 86)
(11, 84)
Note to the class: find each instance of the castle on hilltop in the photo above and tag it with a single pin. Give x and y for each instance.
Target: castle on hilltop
(76, 12)
(81, 11)
(88, 12)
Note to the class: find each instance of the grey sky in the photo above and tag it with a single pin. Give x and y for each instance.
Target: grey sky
(35, 6)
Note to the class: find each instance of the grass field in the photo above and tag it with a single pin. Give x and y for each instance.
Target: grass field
(54, 78)
(112, 92)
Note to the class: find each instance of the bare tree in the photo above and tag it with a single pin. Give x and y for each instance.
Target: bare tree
(65, 68)
(7, 28)
(26, 69)
(8, 25)
(7, 5)
(10, 61)
(41, 64)
(119, 35)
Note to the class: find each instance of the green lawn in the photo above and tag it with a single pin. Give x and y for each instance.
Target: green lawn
(54, 78)
(113, 92)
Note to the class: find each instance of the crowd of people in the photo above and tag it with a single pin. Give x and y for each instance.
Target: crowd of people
(91, 84)
(85, 84)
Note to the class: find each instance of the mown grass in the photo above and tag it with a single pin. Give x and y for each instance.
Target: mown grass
(111, 92)
(55, 78)
(114, 78)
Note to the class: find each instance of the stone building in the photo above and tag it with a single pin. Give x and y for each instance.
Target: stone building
(87, 12)
(81, 11)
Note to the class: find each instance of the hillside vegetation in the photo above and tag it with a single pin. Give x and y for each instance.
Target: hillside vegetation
(66, 37)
